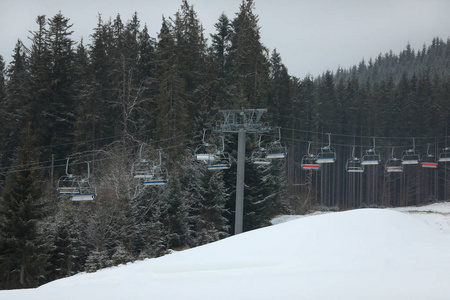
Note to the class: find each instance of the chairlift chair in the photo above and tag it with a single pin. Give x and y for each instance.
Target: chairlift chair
(206, 151)
(159, 174)
(326, 154)
(393, 164)
(77, 189)
(86, 191)
(411, 156)
(142, 168)
(309, 161)
(67, 184)
(276, 149)
(259, 155)
(222, 163)
(444, 155)
(428, 160)
(353, 164)
(160, 177)
(222, 159)
(371, 157)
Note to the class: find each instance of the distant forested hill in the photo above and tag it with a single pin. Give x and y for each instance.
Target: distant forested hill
(432, 60)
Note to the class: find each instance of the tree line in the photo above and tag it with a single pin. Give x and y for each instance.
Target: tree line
(100, 101)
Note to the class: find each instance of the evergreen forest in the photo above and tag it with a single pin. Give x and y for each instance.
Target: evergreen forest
(96, 111)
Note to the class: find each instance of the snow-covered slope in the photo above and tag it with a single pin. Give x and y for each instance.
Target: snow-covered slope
(359, 254)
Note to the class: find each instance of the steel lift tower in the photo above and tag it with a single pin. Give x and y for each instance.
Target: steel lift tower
(240, 122)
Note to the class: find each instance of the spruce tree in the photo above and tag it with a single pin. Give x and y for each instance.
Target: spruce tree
(2, 80)
(14, 106)
(219, 63)
(23, 246)
(59, 108)
(2, 99)
(279, 103)
(250, 66)
(213, 224)
(39, 106)
(190, 49)
(174, 216)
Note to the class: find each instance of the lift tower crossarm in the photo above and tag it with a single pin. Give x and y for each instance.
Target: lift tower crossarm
(249, 119)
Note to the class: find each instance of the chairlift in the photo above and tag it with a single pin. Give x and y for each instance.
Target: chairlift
(276, 149)
(428, 160)
(142, 168)
(86, 190)
(206, 151)
(353, 164)
(222, 159)
(326, 154)
(67, 184)
(77, 189)
(393, 164)
(259, 155)
(411, 156)
(444, 155)
(309, 161)
(159, 174)
(371, 157)
(222, 163)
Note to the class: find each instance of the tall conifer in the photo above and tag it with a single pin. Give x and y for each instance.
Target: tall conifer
(23, 247)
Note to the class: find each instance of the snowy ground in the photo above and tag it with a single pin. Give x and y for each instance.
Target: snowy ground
(359, 254)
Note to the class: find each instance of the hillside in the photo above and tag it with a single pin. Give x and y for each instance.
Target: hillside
(358, 254)
(432, 60)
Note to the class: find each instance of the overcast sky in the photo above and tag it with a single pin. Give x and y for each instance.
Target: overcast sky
(312, 36)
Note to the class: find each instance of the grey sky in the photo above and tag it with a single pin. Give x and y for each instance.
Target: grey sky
(312, 36)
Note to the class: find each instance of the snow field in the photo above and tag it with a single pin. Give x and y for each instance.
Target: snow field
(359, 254)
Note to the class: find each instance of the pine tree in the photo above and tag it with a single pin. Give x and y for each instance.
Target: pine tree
(2, 101)
(190, 48)
(172, 118)
(213, 224)
(86, 118)
(69, 251)
(147, 73)
(279, 103)
(39, 105)
(2, 80)
(14, 106)
(59, 109)
(250, 66)
(174, 216)
(103, 84)
(219, 63)
(23, 253)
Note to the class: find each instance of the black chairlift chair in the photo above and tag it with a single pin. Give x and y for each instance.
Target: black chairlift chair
(259, 155)
(393, 164)
(371, 157)
(411, 156)
(276, 149)
(326, 154)
(429, 160)
(353, 164)
(309, 161)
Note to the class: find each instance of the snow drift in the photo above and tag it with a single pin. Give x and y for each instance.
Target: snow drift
(359, 254)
